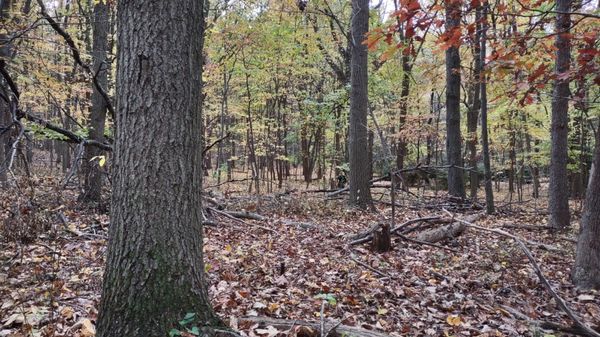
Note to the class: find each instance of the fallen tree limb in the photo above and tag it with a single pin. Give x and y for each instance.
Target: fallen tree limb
(246, 215)
(559, 300)
(340, 330)
(528, 227)
(227, 215)
(449, 231)
(368, 235)
(544, 324)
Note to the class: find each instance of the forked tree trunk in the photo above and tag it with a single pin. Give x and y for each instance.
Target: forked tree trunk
(558, 202)
(360, 193)
(456, 185)
(155, 272)
(92, 189)
(586, 273)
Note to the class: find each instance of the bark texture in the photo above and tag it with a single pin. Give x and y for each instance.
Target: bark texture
(586, 273)
(360, 193)
(155, 272)
(558, 202)
(92, 172)
(485, 147)
(5, 115)
(456, 185)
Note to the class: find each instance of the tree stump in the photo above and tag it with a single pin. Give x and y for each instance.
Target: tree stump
(382, 239)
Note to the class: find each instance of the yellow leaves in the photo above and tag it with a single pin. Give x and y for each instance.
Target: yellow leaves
(382, 311)
(101, 160)
(86, 327)
(453, 320)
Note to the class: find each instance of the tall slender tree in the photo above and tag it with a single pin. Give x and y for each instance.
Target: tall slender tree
(91, 168)
(155, 272)
(558, 202)
(5, 115)
(360, 193)
(485, 147)
(456, 186)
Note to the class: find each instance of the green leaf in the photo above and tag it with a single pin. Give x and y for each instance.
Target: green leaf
(189, 318)
(194, 331)
(174, 332)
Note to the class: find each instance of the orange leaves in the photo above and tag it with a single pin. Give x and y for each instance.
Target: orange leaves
(451, 38)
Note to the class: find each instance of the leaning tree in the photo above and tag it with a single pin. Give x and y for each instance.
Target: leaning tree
(154, 272)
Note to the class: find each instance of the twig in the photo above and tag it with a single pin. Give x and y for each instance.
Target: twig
(559, 301)
(378, 272)
(323, 318)
(426, 243)
(207, 148)
(225, 214)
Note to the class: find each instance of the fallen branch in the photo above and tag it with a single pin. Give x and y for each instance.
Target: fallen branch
(559, 300)
(544, 324)
(227, 215)
(340, 330)
(368, 235)
(246, 215)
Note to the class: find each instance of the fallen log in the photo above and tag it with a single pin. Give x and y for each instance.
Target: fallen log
(312, 329)
(367, 235)
(445, 232)
(246, 215)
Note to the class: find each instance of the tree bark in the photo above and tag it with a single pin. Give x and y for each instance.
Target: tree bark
(360, 194)
(5, 114)
(558, 202)
(485, 147)
(92, 190)
(586, 273)
(155, 272)
(456, 185)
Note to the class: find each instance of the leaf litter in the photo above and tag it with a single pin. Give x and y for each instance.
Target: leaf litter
(50, 283)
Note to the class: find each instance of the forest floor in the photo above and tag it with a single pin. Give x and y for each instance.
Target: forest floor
(296, 264)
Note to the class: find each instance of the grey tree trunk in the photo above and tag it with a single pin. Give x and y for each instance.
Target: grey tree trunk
(485, 147)
(474, 108)
(558, 202)
(456, 186)
(155, 272)
(5, 114)
(360, 192)
(586, 273)
(92, 188)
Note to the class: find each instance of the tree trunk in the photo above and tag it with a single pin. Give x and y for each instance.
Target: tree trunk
(485, 148)
(586, 273)
(360, 193)
(456, 185)
(5, 114)
(155, 272)
(92, 190)
(558, 202)
(473, 114)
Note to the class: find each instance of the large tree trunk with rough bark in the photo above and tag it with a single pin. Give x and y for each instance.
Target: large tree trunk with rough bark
(558, 202)
(586, 273)
(456, 185)
(360, 194)
(155, 272)
(92, 189)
